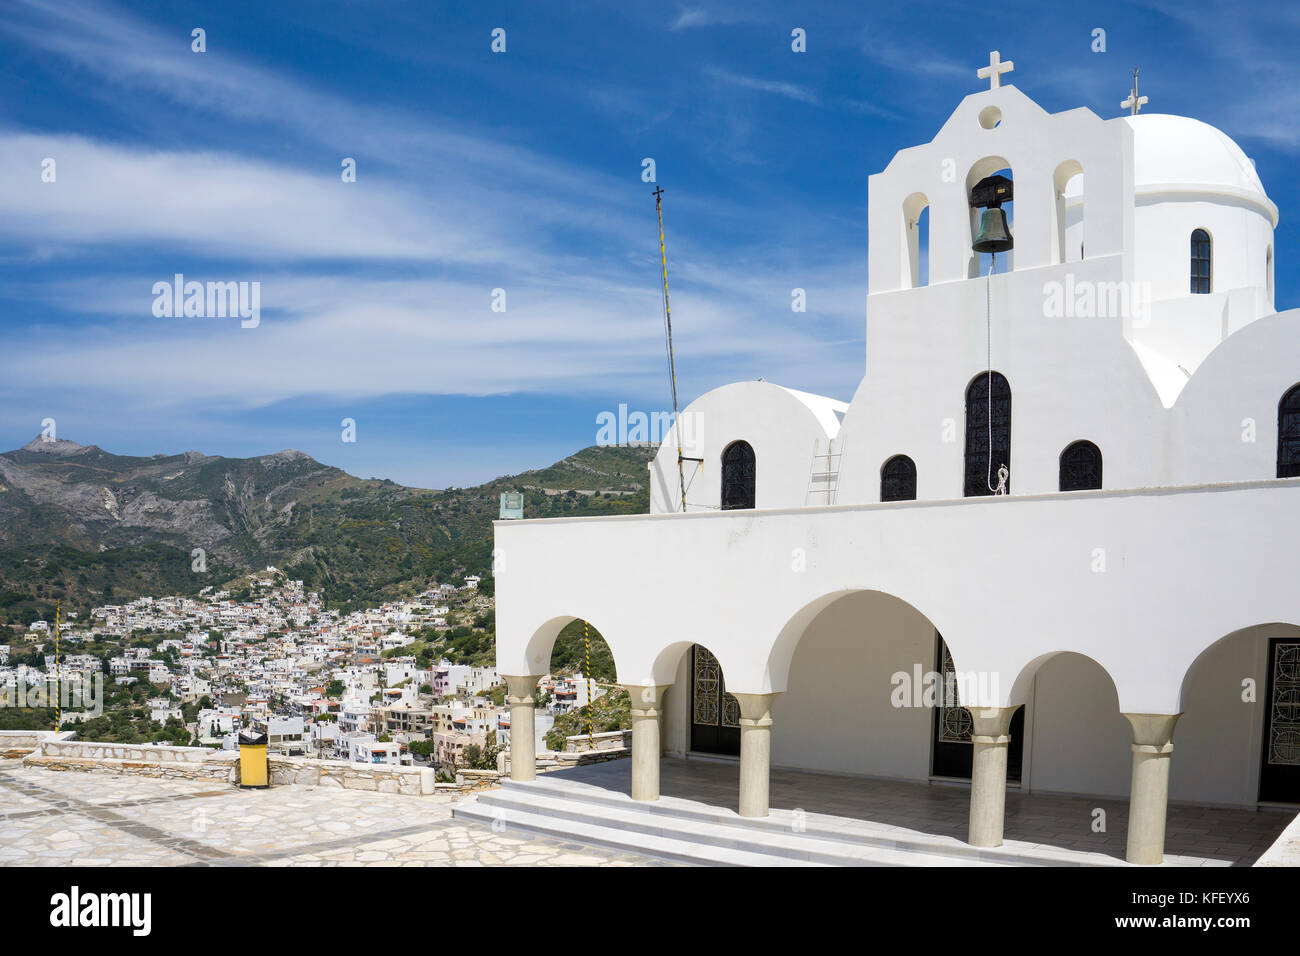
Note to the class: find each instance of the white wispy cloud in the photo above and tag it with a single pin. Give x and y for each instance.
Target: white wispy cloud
(791, 91)
(222, 204)
(363, 338)
(911, 59)
(691, 17)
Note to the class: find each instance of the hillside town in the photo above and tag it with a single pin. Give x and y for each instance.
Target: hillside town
(270, 659)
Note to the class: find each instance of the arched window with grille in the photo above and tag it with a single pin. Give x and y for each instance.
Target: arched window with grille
(1288, 434)
(1201, 261)
(898, 479)
(1081, 467)
(979, 425)
(738, 474)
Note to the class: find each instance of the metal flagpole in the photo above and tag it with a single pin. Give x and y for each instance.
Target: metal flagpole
(668, 327)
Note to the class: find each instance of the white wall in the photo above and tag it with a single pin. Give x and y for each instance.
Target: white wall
(1080, 740)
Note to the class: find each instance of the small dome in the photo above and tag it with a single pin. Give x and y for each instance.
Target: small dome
(1179, 151)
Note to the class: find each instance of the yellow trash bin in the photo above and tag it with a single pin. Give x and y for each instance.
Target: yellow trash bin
(252, 760)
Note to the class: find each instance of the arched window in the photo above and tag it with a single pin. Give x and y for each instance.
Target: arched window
(1288, 434)
(898, 479)
(1081, 467)
(916, 226)
(1200, 261)
(1068, 188)
(979, 424)
(738, 476)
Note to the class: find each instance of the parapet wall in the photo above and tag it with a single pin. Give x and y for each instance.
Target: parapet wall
(19, 743)
(200, 763)
(608, 740)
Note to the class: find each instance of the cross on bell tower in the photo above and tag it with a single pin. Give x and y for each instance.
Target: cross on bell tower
(1134, 103)
(993, 72)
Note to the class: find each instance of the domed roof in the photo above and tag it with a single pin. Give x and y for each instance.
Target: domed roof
(1180, 151)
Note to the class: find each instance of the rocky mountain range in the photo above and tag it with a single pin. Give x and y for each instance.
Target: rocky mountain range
(80, 524)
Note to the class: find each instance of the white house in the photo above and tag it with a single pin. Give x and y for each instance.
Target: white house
(571, 693)
(1120, 571)
(366, 748)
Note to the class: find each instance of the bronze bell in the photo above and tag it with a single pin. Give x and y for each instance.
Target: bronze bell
(994, 236)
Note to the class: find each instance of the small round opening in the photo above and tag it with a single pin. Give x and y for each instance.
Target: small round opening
(990, 117)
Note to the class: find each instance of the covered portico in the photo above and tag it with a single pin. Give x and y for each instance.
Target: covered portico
(1009, 582)
(855, 821)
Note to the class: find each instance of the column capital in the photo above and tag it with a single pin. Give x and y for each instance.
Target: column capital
(991, 723)
(755, 709)
(520, 688)
(646, 699)
(1153, 733)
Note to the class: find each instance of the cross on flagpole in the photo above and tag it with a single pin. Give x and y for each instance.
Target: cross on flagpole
(993, 72)
(1134, 103)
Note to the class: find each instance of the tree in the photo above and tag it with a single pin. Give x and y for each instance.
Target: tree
(424, 748)
(482, 758)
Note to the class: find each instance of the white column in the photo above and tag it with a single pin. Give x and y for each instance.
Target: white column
(646, 707)
(523, 726)
(988, 775)
(1148, 800)
(755, 752)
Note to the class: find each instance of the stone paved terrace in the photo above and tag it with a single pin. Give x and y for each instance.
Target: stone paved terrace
(50, 818)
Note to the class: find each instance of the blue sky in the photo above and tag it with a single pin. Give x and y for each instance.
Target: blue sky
(519, 171)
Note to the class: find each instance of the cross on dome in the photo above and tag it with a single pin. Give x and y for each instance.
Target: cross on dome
(993, 72)
(1134, 103)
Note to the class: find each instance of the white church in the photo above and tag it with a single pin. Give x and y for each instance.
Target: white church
(1051, 543)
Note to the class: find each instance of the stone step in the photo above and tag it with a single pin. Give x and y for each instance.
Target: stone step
(612, 837)
(817, 827)
(635, 828)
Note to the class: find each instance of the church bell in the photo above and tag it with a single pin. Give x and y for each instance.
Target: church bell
(988, 195)
(994, 236)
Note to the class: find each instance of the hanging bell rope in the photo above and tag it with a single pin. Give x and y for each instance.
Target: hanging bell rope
(1004, 473)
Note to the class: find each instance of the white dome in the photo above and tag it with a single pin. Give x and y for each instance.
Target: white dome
(1177, 151)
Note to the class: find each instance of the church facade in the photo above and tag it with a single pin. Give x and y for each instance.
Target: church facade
(1051, 541)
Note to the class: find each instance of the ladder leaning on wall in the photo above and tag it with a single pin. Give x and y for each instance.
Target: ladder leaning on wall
(824, 473)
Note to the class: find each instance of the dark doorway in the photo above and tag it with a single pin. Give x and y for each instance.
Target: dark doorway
(715, 714)
(1279, 774)
(953, 750)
